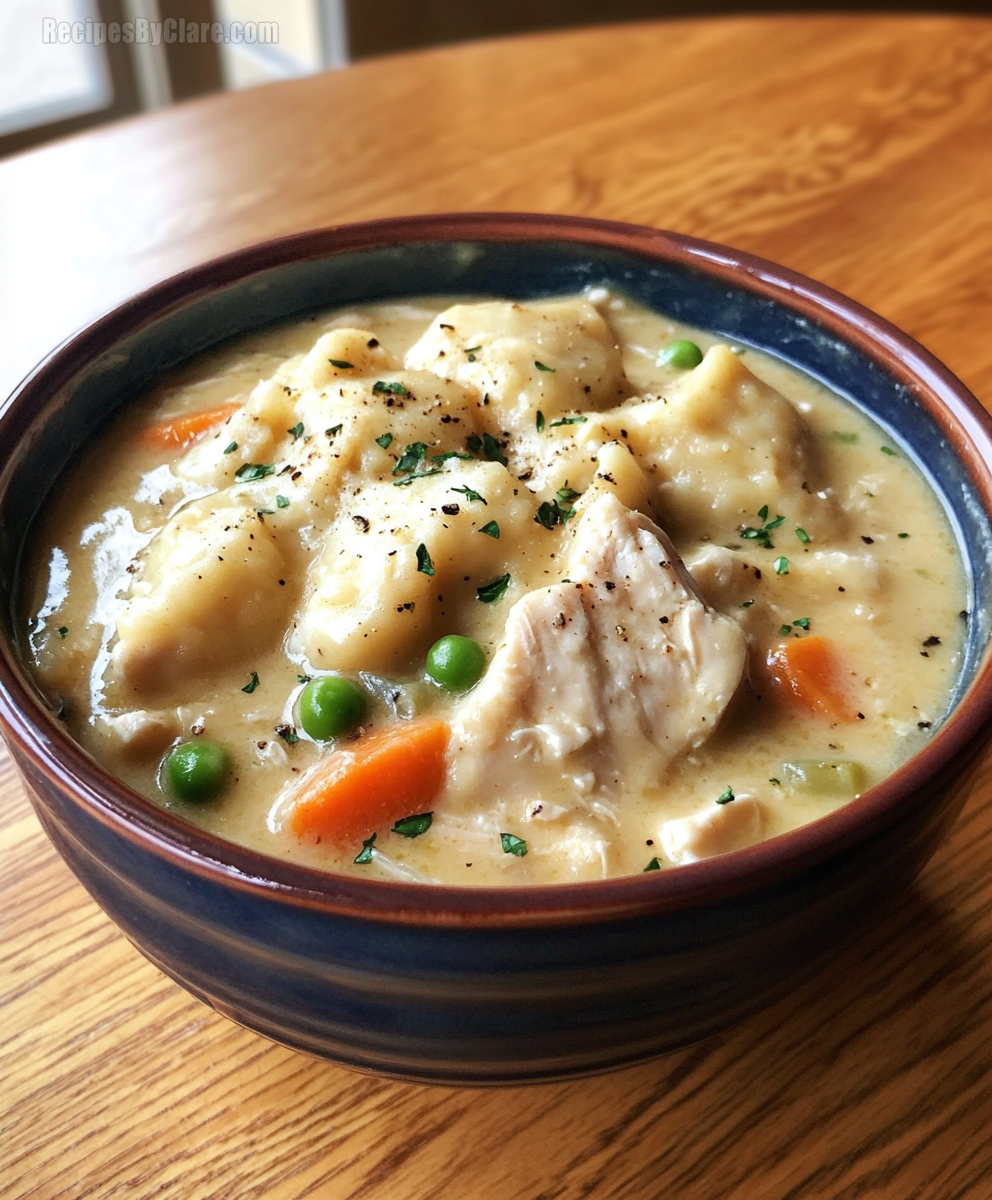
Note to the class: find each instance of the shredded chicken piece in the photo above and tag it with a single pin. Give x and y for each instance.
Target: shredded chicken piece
(716, 829)
(614, 672)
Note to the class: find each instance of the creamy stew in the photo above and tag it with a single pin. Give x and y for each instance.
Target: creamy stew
(484, 592)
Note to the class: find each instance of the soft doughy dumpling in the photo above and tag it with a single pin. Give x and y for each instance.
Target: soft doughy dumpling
(730, 579)
(339, 355)
(316, 382)
(255, 430)
(372, 602)
(719, 447)
(556, 357)
(601, 681)
(213, 582)
(617, 473)
(362, 433)
(315, 440)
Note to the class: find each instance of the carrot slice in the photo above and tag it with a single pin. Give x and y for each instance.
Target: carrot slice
(809, 670)
(180, 432)
(373, 783)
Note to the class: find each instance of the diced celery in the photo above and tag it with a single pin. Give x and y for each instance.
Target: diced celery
(837, 777)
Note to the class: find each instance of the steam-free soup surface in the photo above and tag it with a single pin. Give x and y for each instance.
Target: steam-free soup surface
(484, 592)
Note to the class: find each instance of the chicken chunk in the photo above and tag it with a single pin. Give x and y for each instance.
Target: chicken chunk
(139, 735)
(603, 679)
(717, 829)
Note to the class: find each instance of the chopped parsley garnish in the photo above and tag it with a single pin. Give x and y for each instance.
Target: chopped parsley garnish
(303, 678)
(803, 536)
(282, 502)
(543, 367)
(252, 471)
(781, 565)
(490, 529)
(382, 388)
(784, 630)
(424, 564)
(297, 430)
(762, 533)
(750, 533)
(288, 734)
(365, 854)
(384, 440)
(539, 421)
(746, 603)
(231, 448)
(252, 684)
(440, 458)
(547, 515)
(726, 797)
(411, 458)
(513, 845)
(341, 364)
(495, 590)
(265, 512)
(802, 623)
(62, 631)
(557, 511)
(332, 432)
(904, 535)
(469, 494)
(568, 421)
(420, 475)
(474, 443)
(653, 865)
(471, 352)
(493, 450)
(846, 439)
(889, 451)
(411, 827)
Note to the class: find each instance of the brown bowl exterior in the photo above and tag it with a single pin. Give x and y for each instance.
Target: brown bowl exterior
(463, 985)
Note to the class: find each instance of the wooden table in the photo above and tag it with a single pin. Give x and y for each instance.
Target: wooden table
(856, 150)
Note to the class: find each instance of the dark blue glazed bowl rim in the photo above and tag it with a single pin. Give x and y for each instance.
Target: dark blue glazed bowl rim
(40, 740)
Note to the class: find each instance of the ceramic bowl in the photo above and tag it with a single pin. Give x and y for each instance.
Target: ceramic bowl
(463, 985)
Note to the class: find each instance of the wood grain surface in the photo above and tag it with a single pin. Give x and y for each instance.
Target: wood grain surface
(857, 150)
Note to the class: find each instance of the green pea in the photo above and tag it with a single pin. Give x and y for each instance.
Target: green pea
(456, 663)
(330, 706)
(197, 771)
(682, 354)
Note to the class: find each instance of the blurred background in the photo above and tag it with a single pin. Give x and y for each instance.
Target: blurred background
(63, 69)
